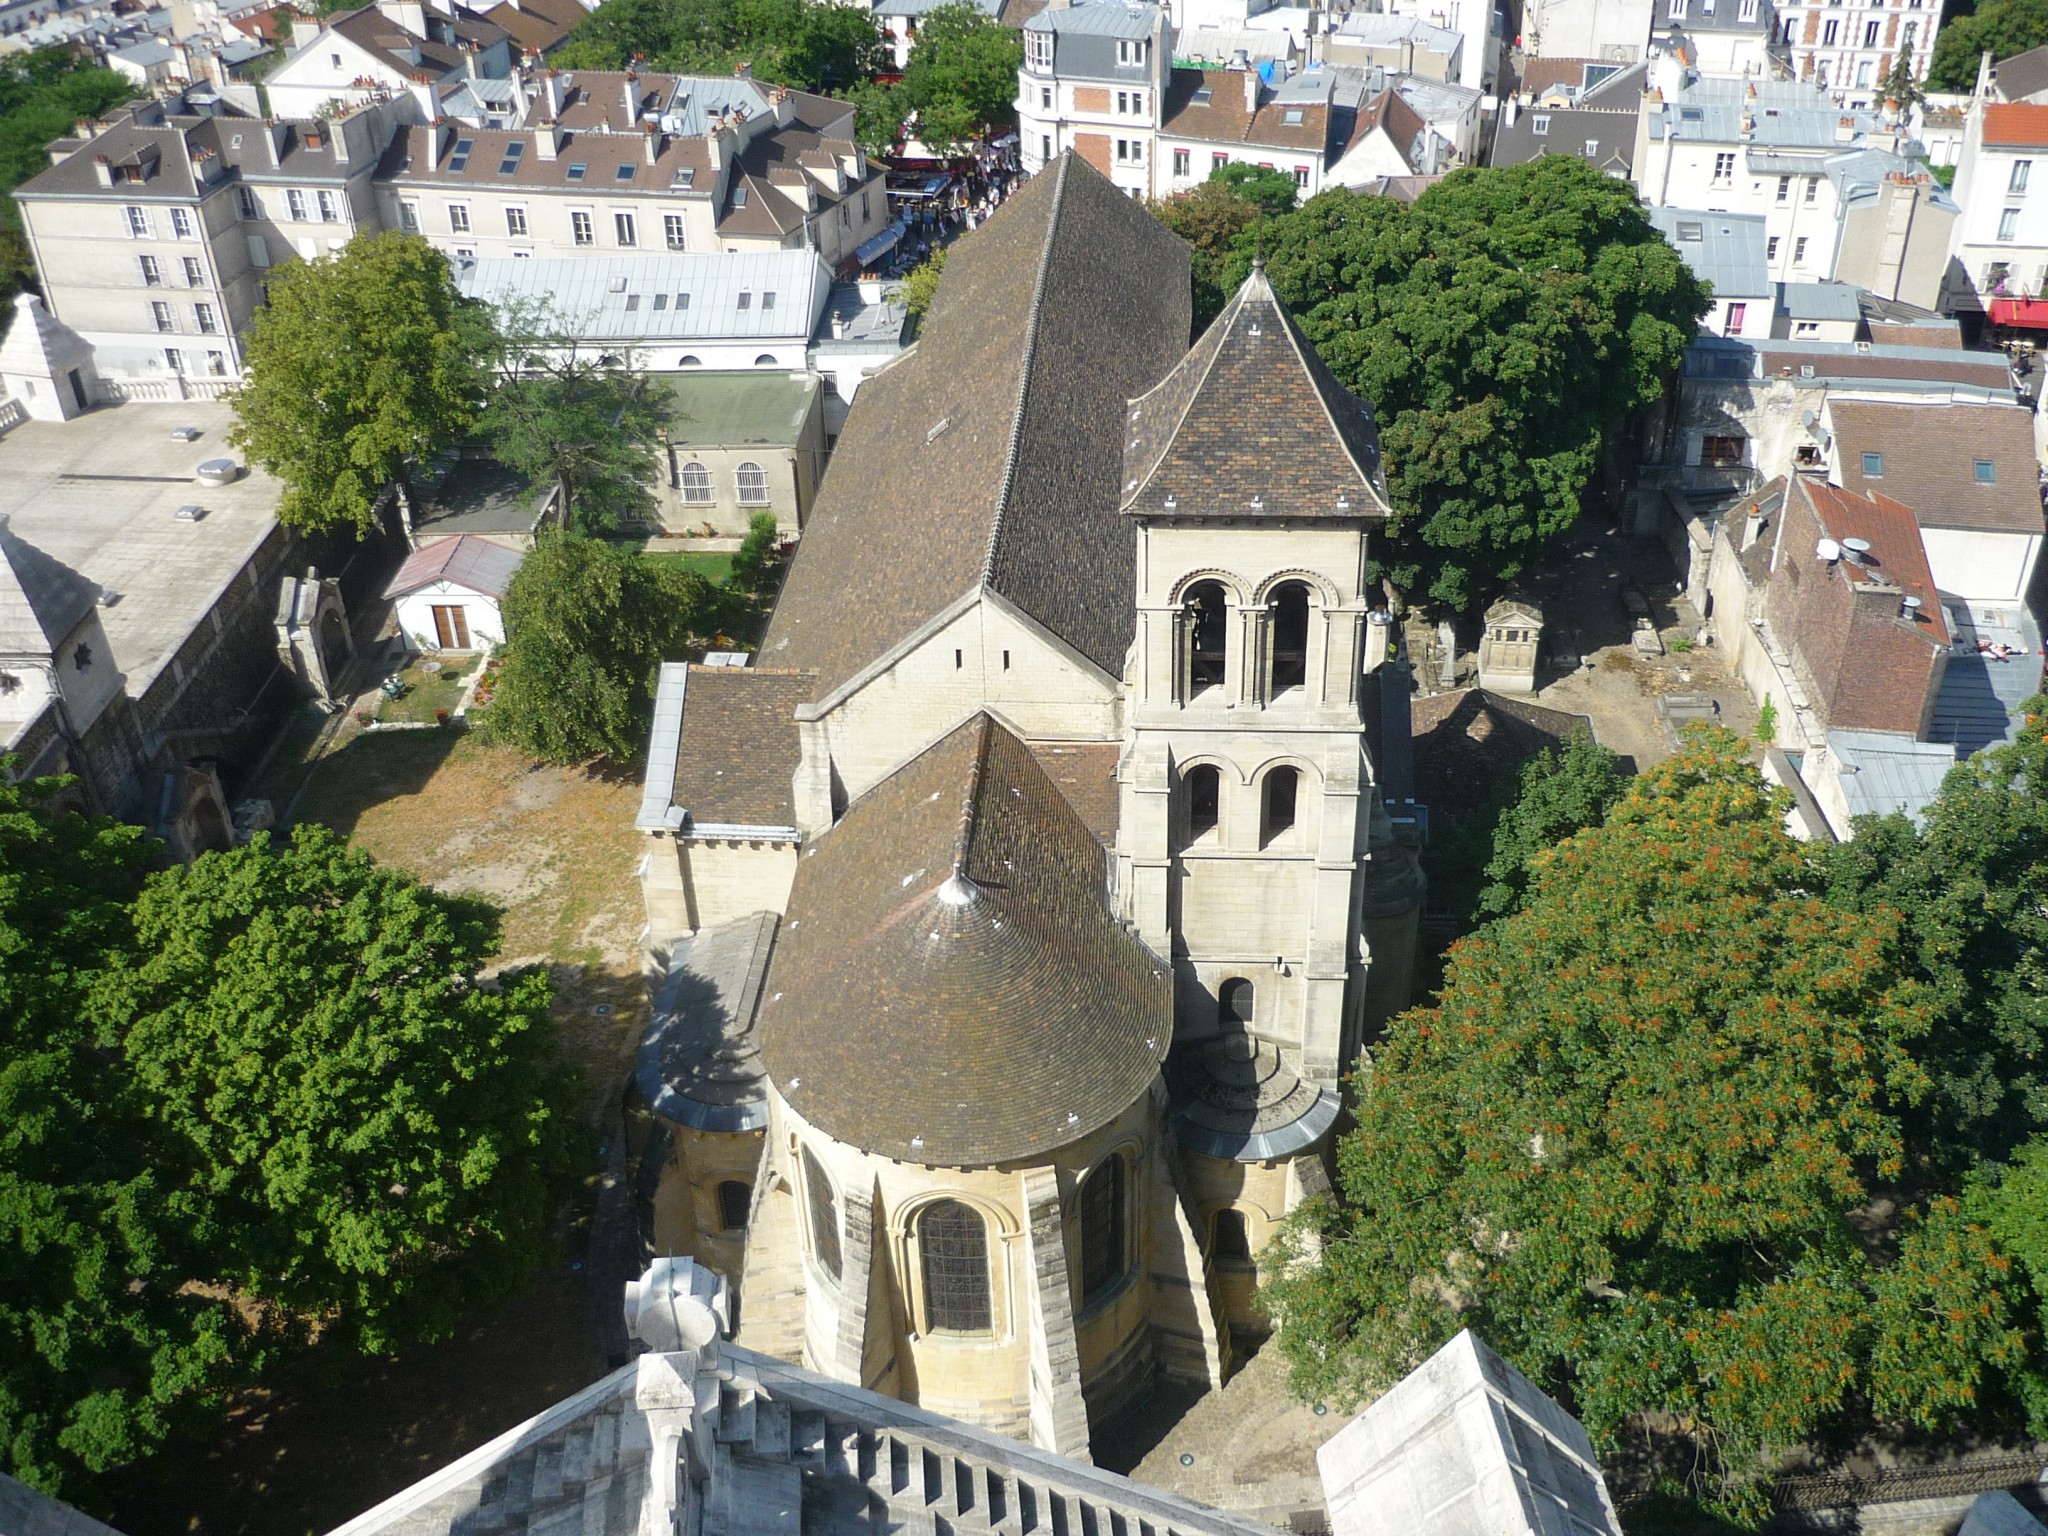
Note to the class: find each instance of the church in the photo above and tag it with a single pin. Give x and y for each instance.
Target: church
(1015, 912)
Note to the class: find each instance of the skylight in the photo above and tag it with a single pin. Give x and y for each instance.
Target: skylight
(576, 170)
(739, 196)
(513, 151)
(625, 172)
(459, 161)
(1873, 466)
(1691, 231)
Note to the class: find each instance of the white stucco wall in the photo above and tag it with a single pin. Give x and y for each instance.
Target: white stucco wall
(480, 610)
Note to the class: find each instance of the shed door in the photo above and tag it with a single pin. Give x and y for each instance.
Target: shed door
(451, 627)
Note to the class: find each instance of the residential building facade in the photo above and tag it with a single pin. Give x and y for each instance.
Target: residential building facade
(1094, 81)
(411, 51)
(1847, 50)
(1999, 247)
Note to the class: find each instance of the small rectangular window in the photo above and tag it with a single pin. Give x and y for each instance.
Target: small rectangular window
(1799, 252)
(2009, 224)
(1873, 466)
(195, 273)
(515, 221)
(328, 213)
(959, 660)
(1987, 472)
(626, 172)
(1540, 124)
(1812, 189)
(746, 300)
(580, 228)
(672, 230)
(661, 301)
(2021, 170)
(181, 223)
(768, 300)
(510, 164)
(1771, 248)
(160, 312)
(577, 170)
(138, 223)
(459, 161)
(208, 325)
(295, 205)
(1784, 189)
(152, 272)
(247, 207)
(1180, 162)
(458, 218)
(409, 218)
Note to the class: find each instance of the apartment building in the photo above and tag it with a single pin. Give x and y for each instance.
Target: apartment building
(1721, 37)
(621, 163)
(1848, 49)
(1094, 79)
(155, 232)
(2000, 244)
(1814, 171)
(405, 50)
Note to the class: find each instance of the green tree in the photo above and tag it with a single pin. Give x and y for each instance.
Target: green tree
(587, 628)
(1626, 1144)
(1975, 882)
(360, 364)
(101, 1344)
(375, 1137)
(1899, 84)
(1557, 794)
(2006, 27)
(877, 116)
(921, 282)
(754, 567)
(593, 432)
(1212, 218)
(1271, 192)
(791, 42)
(1501, 325)
(961, 78)
(42, 96)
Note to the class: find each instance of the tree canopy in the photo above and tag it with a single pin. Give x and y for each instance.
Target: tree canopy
(1211, 217)
(1500, 325)
(1556, 795)
(1630, 1142)
(1975, 881)
(2006, 27)
(241, 1099)
(592, 432)
(587, 627)
(374, 1136)
(959, 82)
(791, 42)
(359, 364)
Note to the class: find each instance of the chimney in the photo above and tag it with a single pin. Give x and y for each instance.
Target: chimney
(1752, 526)
(1845, 129)
(103, 168)
(744, 70)
(652, 137)
(339, 130)
(1986, 75)
(631, 93)
(547, 140)
(551, 93)
(1251, 90)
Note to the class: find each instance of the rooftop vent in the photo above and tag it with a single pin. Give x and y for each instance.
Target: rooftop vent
(1909, 608)
(1856, 550)
(184, 434)
(189, 513)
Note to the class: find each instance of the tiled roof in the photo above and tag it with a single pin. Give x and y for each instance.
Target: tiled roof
(537, 24)
(1930, 454)
(737, 758)
(950, 986)
(1085, 772)
(392, 46)
(1252, 424)
(1897, 558)
(1469, 743)
(464, 560)
(990, 454)
(2024, 75)
(1208, 105)
(1540, 76)
(2016, 125)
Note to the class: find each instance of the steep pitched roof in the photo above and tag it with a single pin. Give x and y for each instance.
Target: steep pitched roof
(989, 456)
(950, 986)
(41, 598)
(1252, 424)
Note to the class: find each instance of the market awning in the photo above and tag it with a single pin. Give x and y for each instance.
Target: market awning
(881, 245)
(2030, 314)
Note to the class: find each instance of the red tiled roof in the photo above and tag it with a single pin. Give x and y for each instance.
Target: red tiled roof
(1896, 554)
(2017, 123)
(461, 559)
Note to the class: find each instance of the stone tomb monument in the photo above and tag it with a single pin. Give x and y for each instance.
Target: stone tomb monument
(1509, 645)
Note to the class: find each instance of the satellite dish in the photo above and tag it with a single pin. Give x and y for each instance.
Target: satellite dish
(1828, 550)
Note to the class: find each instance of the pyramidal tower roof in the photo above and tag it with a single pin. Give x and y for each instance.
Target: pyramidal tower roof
(38, 343)
(1252, 424)
(41, 598)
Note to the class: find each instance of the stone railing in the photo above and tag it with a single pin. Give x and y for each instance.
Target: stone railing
(176, 387)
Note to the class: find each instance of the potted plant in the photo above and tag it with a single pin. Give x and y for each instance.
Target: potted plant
(440, 717)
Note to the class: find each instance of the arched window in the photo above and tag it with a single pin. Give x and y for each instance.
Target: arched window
(1103, 1260)
(953, 1243)
(734, 1197)
(1229, 1243)
(689, 360)
(824, 1215)
(1208, 625)
(696, 486)
(765, 360)
(1276, 813)
(1287, 631)
(1234, 1003)
(752, 482)
(1203, 786)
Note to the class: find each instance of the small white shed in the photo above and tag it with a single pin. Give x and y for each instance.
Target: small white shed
(448, 593)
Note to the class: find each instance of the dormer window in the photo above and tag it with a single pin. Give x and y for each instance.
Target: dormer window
(1038, 49)
(1540, 124)
(1132, 51)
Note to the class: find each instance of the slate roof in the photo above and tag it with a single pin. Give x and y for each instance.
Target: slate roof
(1930, 455)
(950, 986)
(537, 24)
(392, 46)
(699, 1062)
(1251, 424)
(1085, 772)
(1604, 117)
(464, 560)
(2023, 76)
(737, 757)
(41, 598)
(1207, 105)
(989, 455)
(1892, 772)
(1471, 742)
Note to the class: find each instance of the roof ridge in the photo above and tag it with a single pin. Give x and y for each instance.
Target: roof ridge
(970, 794)
(1313, 365)
(1217, 327)
(1031, 324)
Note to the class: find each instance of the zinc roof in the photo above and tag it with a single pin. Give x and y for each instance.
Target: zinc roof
(1724, 249)
(1097, 18)
(615, 296)
(733, 410)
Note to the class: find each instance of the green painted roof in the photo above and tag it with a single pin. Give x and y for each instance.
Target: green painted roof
(715, 410)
